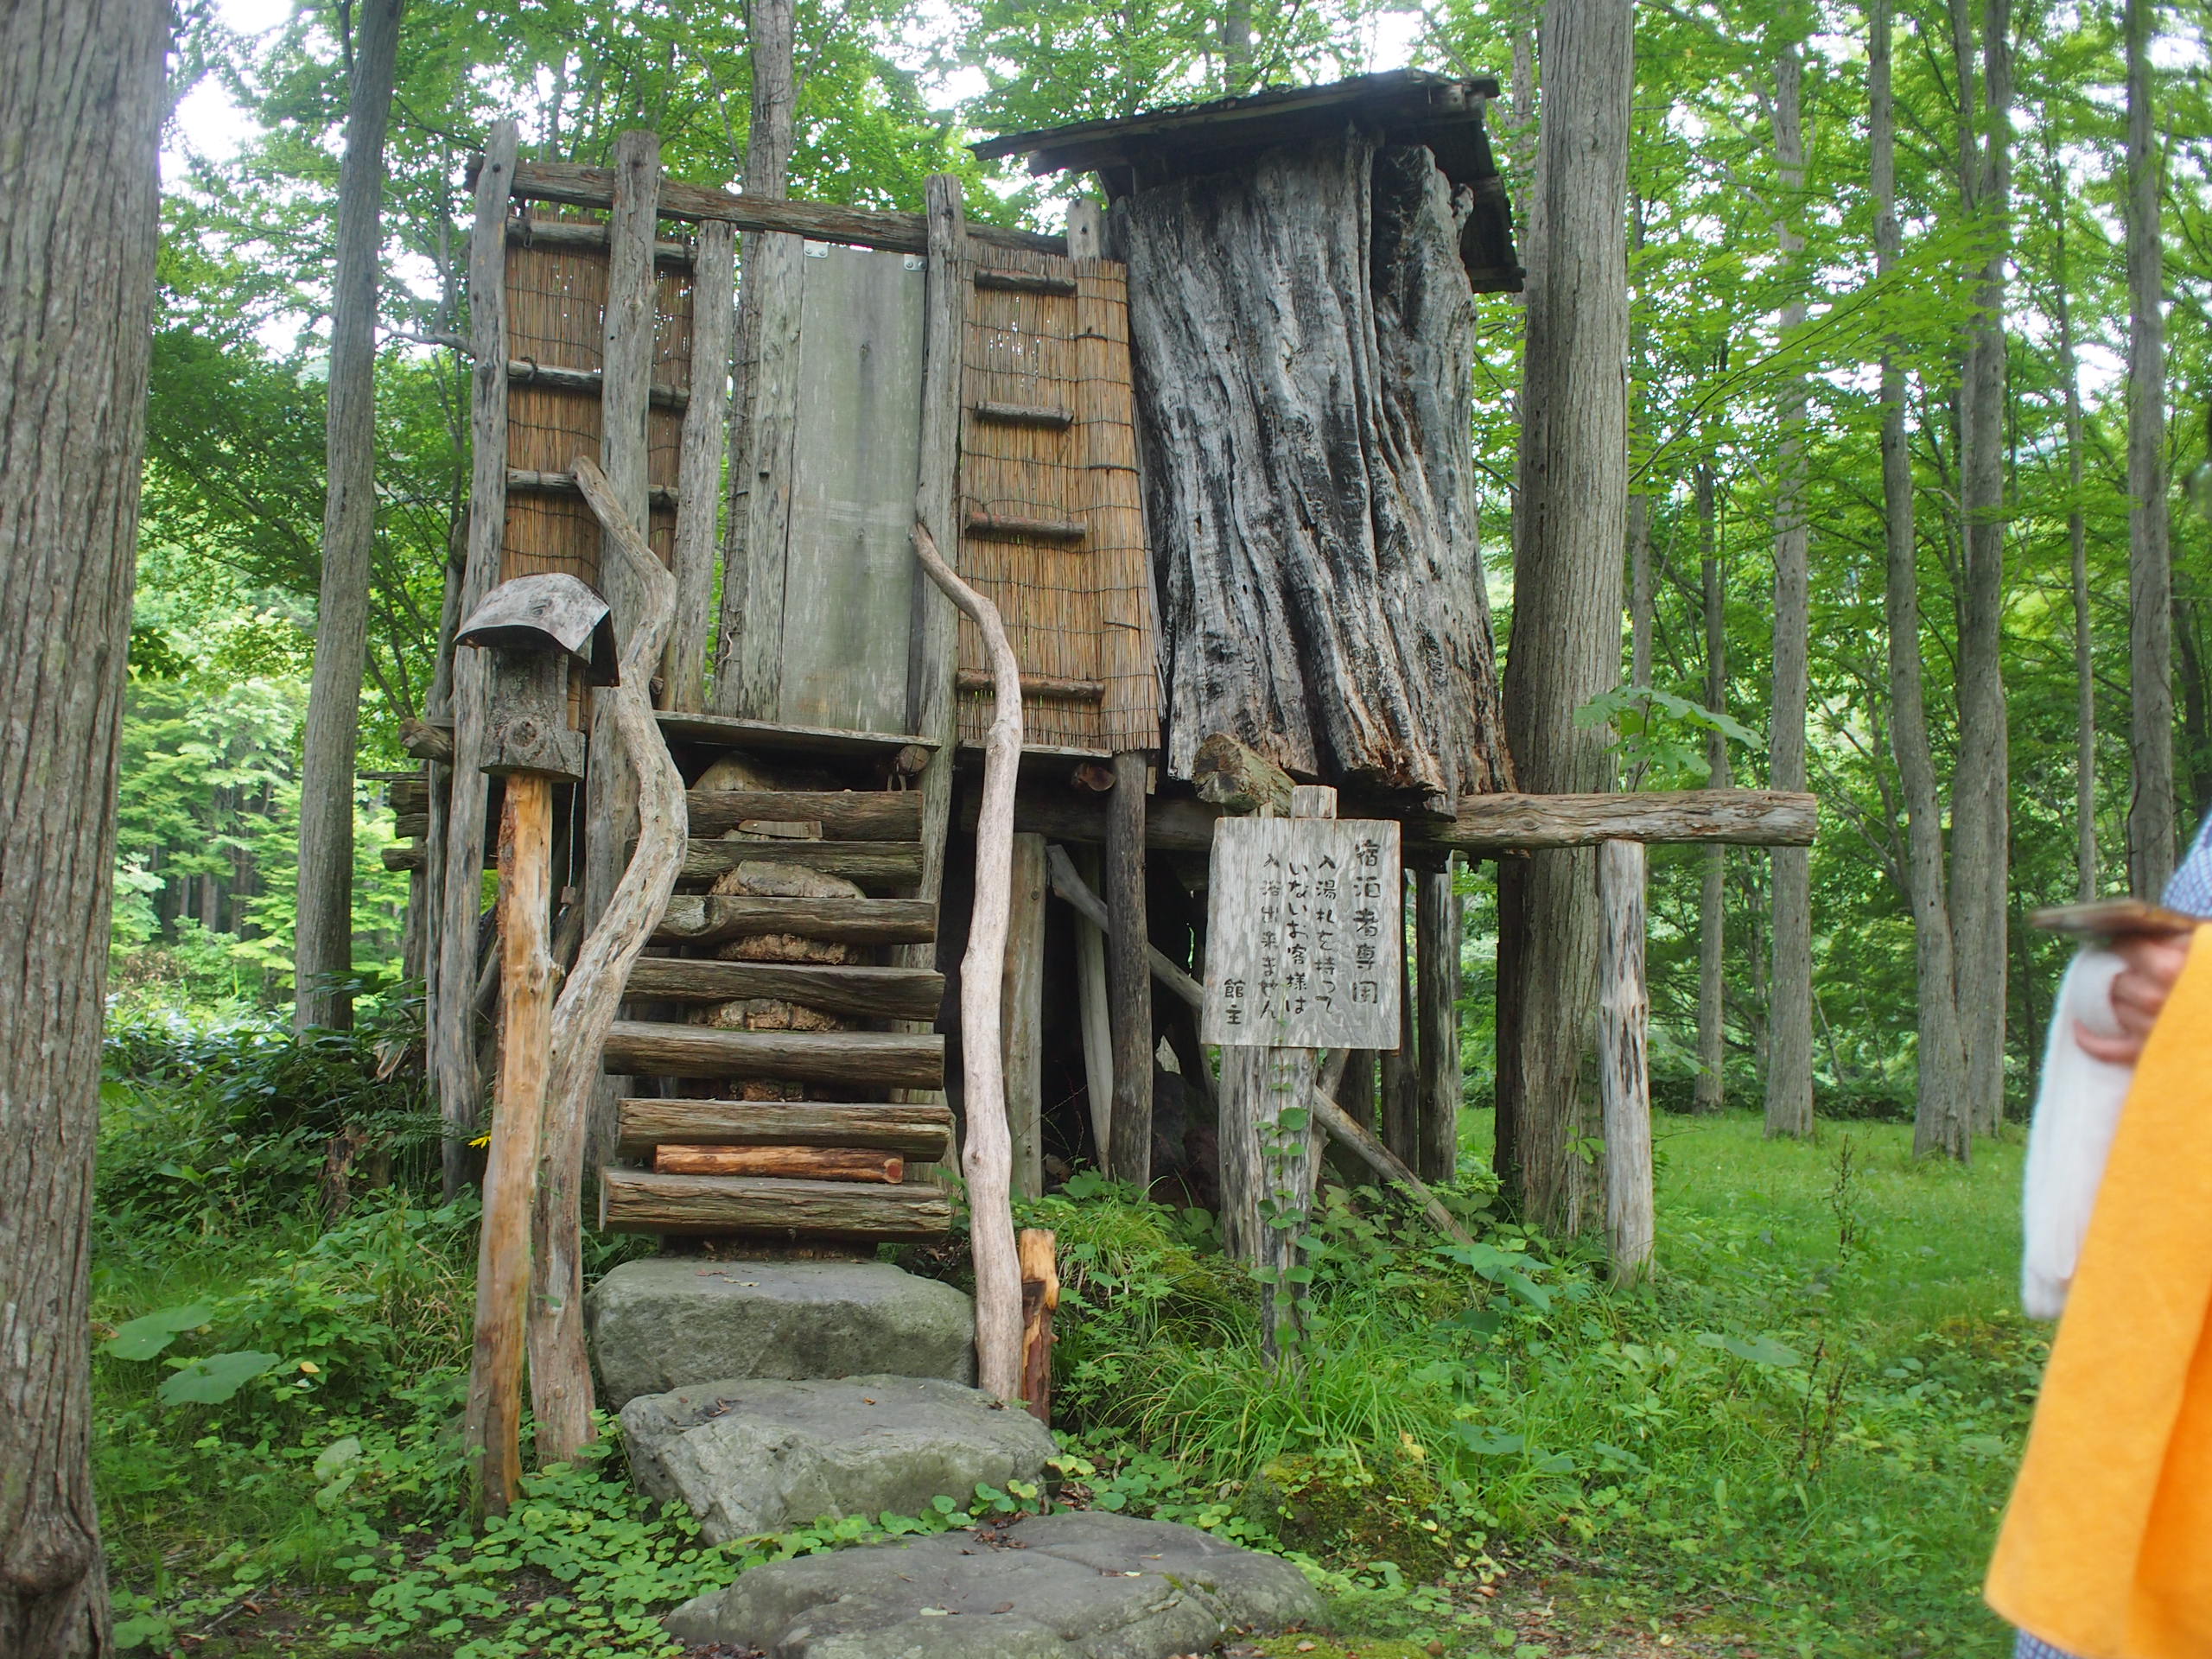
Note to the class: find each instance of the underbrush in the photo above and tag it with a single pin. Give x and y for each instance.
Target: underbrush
(1803, 1427)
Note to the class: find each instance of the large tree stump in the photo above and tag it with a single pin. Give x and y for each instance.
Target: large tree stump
(1304, 333)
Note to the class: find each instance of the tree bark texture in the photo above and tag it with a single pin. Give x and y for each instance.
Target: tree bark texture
(322, 957)
(1981, 837)
(1128, 986)
(1939, 1120)
(1566, 646)
(1624, 1062)
(1303, 332)
(1789, 1029)
(1436, 948)
(2077, 540)
(1712, 879)
(2149, 564)
(80, 107)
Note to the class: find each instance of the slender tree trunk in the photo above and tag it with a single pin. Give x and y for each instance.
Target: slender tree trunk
(1980, 799)
(1236, 46)
(2077, 539)
(2149, 566)
(1940, 1121)
(1713, 887)
(1640, 618)
(1790, 1031)
(322, 957)
(769, 34)
(80, 111)
(1567, 588)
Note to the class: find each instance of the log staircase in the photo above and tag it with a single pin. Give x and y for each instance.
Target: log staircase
(774, 1095)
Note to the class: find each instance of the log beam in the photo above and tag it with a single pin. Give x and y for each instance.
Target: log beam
(846, 814)
(694, 919)
(795, 1163)
(875, 993)
(878, 865)
(920, 1132)
(892, 1059)
(640, 1201)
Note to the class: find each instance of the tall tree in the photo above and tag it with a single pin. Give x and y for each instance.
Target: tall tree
(1980, 794)
(2077, 545)
(1940, 1118)
(1712, 883)
(80, 112)
(2149, 566)
(1789, 1010)
(1566, 612)
(323, 950)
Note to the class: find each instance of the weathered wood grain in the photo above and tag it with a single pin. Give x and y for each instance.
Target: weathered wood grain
(846, 814)
(1238, 779)
(699, 466)
(1037, 1250)
(861, 227)
(1436, 1023)
(780, 737)
(1328, 611)
(691, 919)
(794, 1163)
(920, 1131)
(881, 1058)
(522, 479)
(1751, 818)
(1023, 992)
(528, 372)
(878, 993)
(1040, 685)
(878, 866)
(1624, 1060)
(1129, 988)
(636, 1201)
(568, 237)
(750, 673)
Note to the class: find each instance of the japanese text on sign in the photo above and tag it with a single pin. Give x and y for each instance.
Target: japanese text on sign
(1304, 934)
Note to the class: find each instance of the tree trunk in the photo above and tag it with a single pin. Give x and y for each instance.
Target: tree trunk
(1304, 327)
(1980, 802)
(768, 29)
(2149, 566)
(81, 110)
(1566, 646)
(1939, 1119)
(1713, 886)
(1789, 1013)
(322, 957)
(2077, 538)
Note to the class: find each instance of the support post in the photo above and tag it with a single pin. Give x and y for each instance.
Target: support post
(1400, 1084)
(494, 1420)
(1098, 1026)
(1040, 1295)
(699, 469)
(1623, 1070)
(452, 1037)
(1436, 948)
(1129, 983)
(1023, 994)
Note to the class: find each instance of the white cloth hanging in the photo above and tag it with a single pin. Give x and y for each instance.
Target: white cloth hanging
(2077, 1111)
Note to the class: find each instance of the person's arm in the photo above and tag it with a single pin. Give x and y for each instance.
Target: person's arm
(2139, 992)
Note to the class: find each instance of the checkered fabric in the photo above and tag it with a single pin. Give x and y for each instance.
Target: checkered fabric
(2028, 1648)
(2190, 887)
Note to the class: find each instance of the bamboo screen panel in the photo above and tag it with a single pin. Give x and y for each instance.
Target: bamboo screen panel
(1077, 602)
(556, 301)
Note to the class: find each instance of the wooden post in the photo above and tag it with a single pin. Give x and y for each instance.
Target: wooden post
(1128, 986)
(1023, 990)
(748, 672)
(1097, 1025)
(699, 471)
(1401, 1083)
(503, 1248)
(1040, 1295)
(452, 1037)
(1436, 948)
(1623, 1070)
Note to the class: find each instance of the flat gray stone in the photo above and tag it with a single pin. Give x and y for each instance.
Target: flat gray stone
(1081, 1586)
(751, 1456)
(669, 1322)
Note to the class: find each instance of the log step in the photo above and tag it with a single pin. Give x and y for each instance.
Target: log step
(814, 743)
(1053, 417)
(843, 814)
(640, 1201)
(873, 864)
(878, 993)
(1040, 686)
(787, 1163)
(1024, 282)
(1001, 526)
(697, 919)
(884, 1058)
(922, 1133)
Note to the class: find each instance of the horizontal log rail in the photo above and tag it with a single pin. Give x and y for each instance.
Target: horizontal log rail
(528, 372)
(866, 228)
(1053, 416)
(877, 993)
(870, 863)
(697, 919)
(523, 480)
(921, 1132)
(563, 236)
(794, 1163)
(996, 525)
(1024, 282)
(638, 1201)
(890, 1059)
(1040, 686)
(846, 814)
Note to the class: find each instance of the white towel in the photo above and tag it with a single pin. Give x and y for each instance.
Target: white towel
(2077, 1111)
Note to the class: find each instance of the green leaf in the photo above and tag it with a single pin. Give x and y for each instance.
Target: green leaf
(1485, 1445)
(146, 1337)
(212, 1381)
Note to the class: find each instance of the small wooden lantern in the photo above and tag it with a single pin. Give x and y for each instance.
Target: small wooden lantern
(534, 626)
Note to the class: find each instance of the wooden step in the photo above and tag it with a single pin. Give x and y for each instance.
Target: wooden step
(698, 919)
(788, 1163)
(773, 737)
(844, 814)
(921, 1132)
(876, 1058)
(872, 864)
(640, 1201)
(880, 993)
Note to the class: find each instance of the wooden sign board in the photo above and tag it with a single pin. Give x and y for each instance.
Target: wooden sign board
(1303, 934)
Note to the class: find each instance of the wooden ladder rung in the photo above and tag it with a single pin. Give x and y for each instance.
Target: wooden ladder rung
(641, 1201)
(1056, 419)
(885, 993)
(869, 864)
(1025, 281)
(922, 1132)
(694, 919)
(520, 479)
(1040, 686)
(528, 372)
(889, 1059)
(997, 525)
(847, 814)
